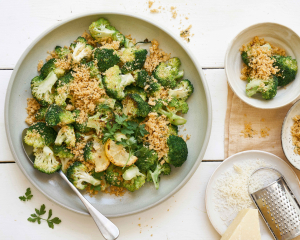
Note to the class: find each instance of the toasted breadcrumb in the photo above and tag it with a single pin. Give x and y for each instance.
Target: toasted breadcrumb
(155, 57)
(150, 3)
(174, 12)
(264, 132)
(117, 191)
(157, 126)
(32, 107)
(89, 39)
(295, 131)
(113, 45)
(154, 11)
(248, 132)
(188, 137)
(65, 63)
(186, 34)
(51, 55)
(40, 65)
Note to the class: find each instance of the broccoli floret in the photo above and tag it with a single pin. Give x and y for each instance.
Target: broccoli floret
(81, 50)
(132, 59)
(147, 159)
(169, 113)
(61, 52)
(287, 69)
(267, 88)
(42, 90)
(106, 58)
(164, 169)
(62, 89)
(178, 151)
(49, 67)
(141, 78)
(135, 106)
(40, 115)
(115, 83)
(87, 151)
(78, 174)
(133, 178)
(39, 135)
(64, 154)
(95, 73)
(113, 175)
(173, 130)
(168, 73)
(45, 160)
(137, 90)
(245, 58)
(183, 90)
(176, 105)
(82, 137)
(118, 108)
(80, 126)
(56, 116)
(101, 30)
(99, 120)
(66, 135)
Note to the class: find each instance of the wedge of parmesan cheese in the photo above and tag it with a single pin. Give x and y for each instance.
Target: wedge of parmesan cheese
(244, 227)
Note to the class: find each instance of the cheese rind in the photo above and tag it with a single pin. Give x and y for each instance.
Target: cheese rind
(244, 227)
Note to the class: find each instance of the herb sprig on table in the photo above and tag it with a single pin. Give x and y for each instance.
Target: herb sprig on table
(27, 195)
(36, 217)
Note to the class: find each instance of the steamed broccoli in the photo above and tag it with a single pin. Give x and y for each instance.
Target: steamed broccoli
(56, 116)
(106, 58)
(79, 125)
(133, 178)
(169, 113)
(164, 169)
(99, 120)
(82, 137)
(62, 89)
(267, 88)
(45, 160)
(135, 106)
(287, 69)
(61, 52)
(115, 83)
(178, 106)
(147, 159)
(173, 130)
(101, 30)
(141, 78)
(42, 90)
(168, 73)
(132, 59)
(118, 108)
(39, 135)
(137, 90)
(183, 90)
(78, 174)
(66, 135)
(178, 151)
(64, 154)
(81, 50)
(40, 115)
(113, 175)
(49, 67)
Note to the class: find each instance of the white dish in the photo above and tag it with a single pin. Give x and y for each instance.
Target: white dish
(268, 158)
(286, 136)
(276, 34)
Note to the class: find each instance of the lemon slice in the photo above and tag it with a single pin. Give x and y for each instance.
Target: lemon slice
(100, 159)
(118, 155)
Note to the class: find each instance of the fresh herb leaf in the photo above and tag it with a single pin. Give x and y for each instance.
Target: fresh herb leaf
(27, 196)
(35, 217)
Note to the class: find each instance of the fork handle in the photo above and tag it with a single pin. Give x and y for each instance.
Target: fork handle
(108, 230)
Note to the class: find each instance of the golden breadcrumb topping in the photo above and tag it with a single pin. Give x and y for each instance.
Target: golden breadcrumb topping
(32, 107)
(40, 65)
(155, 57)
(89, 39)
(158, 129)
(113, 45)
(295, 131)
(64, 63)
(51, 55)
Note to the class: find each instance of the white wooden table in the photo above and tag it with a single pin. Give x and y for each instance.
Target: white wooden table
(183, 216)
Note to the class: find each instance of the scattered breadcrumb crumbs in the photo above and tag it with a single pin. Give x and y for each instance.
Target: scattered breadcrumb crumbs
(295, 131)
(262, 120)
(264, 132)
(51, 55)
(113, 45)
(248, 132)
(154, 11)
(186, 34)
(32, 107)
(139, 225)
(157, 126)
(186, 18)
(174, 12)
(117, 191)
(89, 39)
(40, 65)
(151, 235)
(155, 57)
(150, 3)
(188, 137)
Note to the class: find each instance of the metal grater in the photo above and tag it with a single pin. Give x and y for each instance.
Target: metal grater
(278, 207)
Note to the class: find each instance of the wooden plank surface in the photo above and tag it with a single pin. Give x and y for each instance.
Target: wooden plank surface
(214, 22)
(182, 216)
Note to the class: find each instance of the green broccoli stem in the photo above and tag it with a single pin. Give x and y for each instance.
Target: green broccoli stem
(173, 118)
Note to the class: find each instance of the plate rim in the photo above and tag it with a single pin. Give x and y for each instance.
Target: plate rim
(227, 159)
(226, 63)
(162, 28)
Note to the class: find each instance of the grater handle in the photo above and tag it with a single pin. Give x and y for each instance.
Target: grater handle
(261, 168)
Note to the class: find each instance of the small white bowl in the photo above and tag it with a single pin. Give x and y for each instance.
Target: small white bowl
(286, 136)
(279, 36)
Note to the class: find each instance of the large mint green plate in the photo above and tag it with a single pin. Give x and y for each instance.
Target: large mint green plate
(198, 124)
